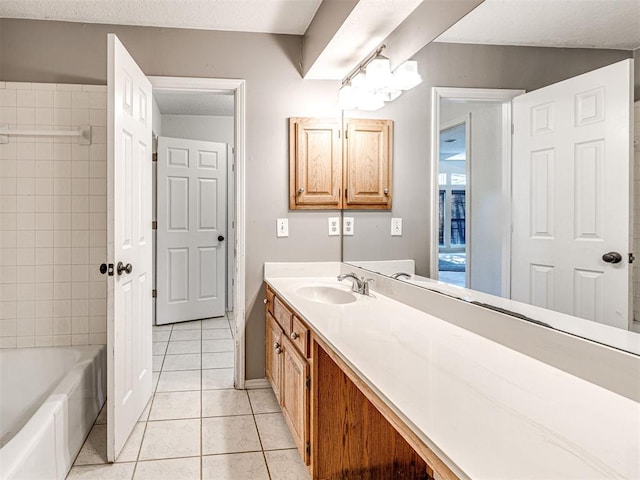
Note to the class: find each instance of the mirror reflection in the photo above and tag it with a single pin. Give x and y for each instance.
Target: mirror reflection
(529, 212)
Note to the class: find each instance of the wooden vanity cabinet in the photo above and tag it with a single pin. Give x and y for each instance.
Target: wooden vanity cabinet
(287, 366)
(332, 171)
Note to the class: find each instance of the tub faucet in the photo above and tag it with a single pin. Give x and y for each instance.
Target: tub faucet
(359, 285)
(400, 274)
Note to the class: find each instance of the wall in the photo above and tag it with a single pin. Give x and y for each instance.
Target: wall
(449, 65)
(488, 212)
(52, 217)
(76, 53)
(636, 228)
(636, 57)
(199, 127)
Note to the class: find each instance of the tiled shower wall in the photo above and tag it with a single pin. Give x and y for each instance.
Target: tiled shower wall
(52, 217)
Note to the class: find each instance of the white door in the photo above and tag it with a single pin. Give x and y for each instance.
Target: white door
(129, 297)
(191, 254)
(571, 195)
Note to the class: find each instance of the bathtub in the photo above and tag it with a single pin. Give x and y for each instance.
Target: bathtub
(49, 399)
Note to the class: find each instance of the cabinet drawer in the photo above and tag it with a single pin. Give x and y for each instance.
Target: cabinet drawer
(282, 315)
(300, 336)
(269, 295)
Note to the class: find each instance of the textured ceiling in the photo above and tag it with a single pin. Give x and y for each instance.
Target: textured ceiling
(551, 23)
(270, 16)
(182, 103)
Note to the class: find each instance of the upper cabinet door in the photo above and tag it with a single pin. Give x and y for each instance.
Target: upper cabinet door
(368, 156)
(315, 176)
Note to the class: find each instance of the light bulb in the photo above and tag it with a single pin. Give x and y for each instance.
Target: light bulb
(406, 76)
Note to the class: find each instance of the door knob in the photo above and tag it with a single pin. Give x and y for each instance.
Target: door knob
(220, 238)
(124, 268)
(612, 257)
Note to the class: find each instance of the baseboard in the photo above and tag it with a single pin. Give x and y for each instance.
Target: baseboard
(256, 383)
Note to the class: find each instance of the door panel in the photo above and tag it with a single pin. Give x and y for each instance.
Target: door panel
(191, 216)
(571, 144)
(129, 241)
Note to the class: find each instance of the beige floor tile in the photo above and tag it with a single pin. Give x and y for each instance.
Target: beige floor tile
(217, 360)
(220, 403)
(109, 471)
(171, 439)
(237, 466)
(263, 400)
(192, 325)
(94, 450)
(183, 346)
(217, 378)
(178, 335)
(131, 448)
(175, 405)
(180, 381)
(216, 334)
(211, 346)
(274, 433)
(159, 328)
(155, 376)
(161, 335)
(187, 361)
(229, 435)
(159, 348)
(102, 416)
(286, 465)
(174, 469)
(157, 362)
(145, 413)
(219, 322)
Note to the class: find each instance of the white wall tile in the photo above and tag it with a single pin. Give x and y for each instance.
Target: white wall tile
(52, 218)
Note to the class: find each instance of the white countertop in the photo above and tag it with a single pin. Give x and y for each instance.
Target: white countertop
(486, 410)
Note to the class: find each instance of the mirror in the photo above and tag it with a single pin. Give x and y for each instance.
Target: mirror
(473, 244)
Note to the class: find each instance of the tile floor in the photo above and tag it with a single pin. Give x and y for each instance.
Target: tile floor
(196, 425)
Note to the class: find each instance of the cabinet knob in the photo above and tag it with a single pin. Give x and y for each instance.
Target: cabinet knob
(264, 301)
(386, 191)
(300, 190)
(294, 335)
(278, 350)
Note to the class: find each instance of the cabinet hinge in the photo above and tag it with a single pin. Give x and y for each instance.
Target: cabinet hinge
(154, 157)
(307, 448)
(308, 383)
(154, 225)
(339, 134)
(154, 293)
(631, 257)
(346, 134)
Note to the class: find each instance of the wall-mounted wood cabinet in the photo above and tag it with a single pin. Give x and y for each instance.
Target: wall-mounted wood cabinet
(333, 166)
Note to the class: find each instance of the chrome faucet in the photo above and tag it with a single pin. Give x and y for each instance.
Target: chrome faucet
(359, 285)
(400, 274)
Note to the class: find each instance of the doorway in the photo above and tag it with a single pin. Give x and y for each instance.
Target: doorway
(453, 204)
(226, 97)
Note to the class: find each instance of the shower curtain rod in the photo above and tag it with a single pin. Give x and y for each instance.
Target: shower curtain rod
(83, 132)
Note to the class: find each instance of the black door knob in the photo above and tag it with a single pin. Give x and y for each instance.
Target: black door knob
(612, 257)
(220, 238)
(121, 268)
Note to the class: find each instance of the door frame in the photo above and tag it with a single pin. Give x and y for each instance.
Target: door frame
(492, 95)
(238, 88)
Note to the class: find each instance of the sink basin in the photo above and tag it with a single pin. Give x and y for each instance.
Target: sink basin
(329, 295)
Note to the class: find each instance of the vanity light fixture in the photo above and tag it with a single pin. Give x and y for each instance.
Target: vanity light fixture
(372, 83)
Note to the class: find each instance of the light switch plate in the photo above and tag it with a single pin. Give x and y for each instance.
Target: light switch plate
(282, 225)
(396, 227)
(347, 226)
(334, 226)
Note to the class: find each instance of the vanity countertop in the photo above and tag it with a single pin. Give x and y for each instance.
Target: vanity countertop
(487, 411)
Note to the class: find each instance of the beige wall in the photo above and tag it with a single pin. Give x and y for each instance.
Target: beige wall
(76, 53)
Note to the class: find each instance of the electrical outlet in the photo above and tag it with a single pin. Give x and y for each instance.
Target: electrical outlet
(282, 225)
(396, 227)
(334, 226)
(347, 226)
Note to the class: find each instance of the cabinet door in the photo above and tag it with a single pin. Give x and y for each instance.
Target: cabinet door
(315, 164)
(368, 154)
(295, 396)
(273, 354)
